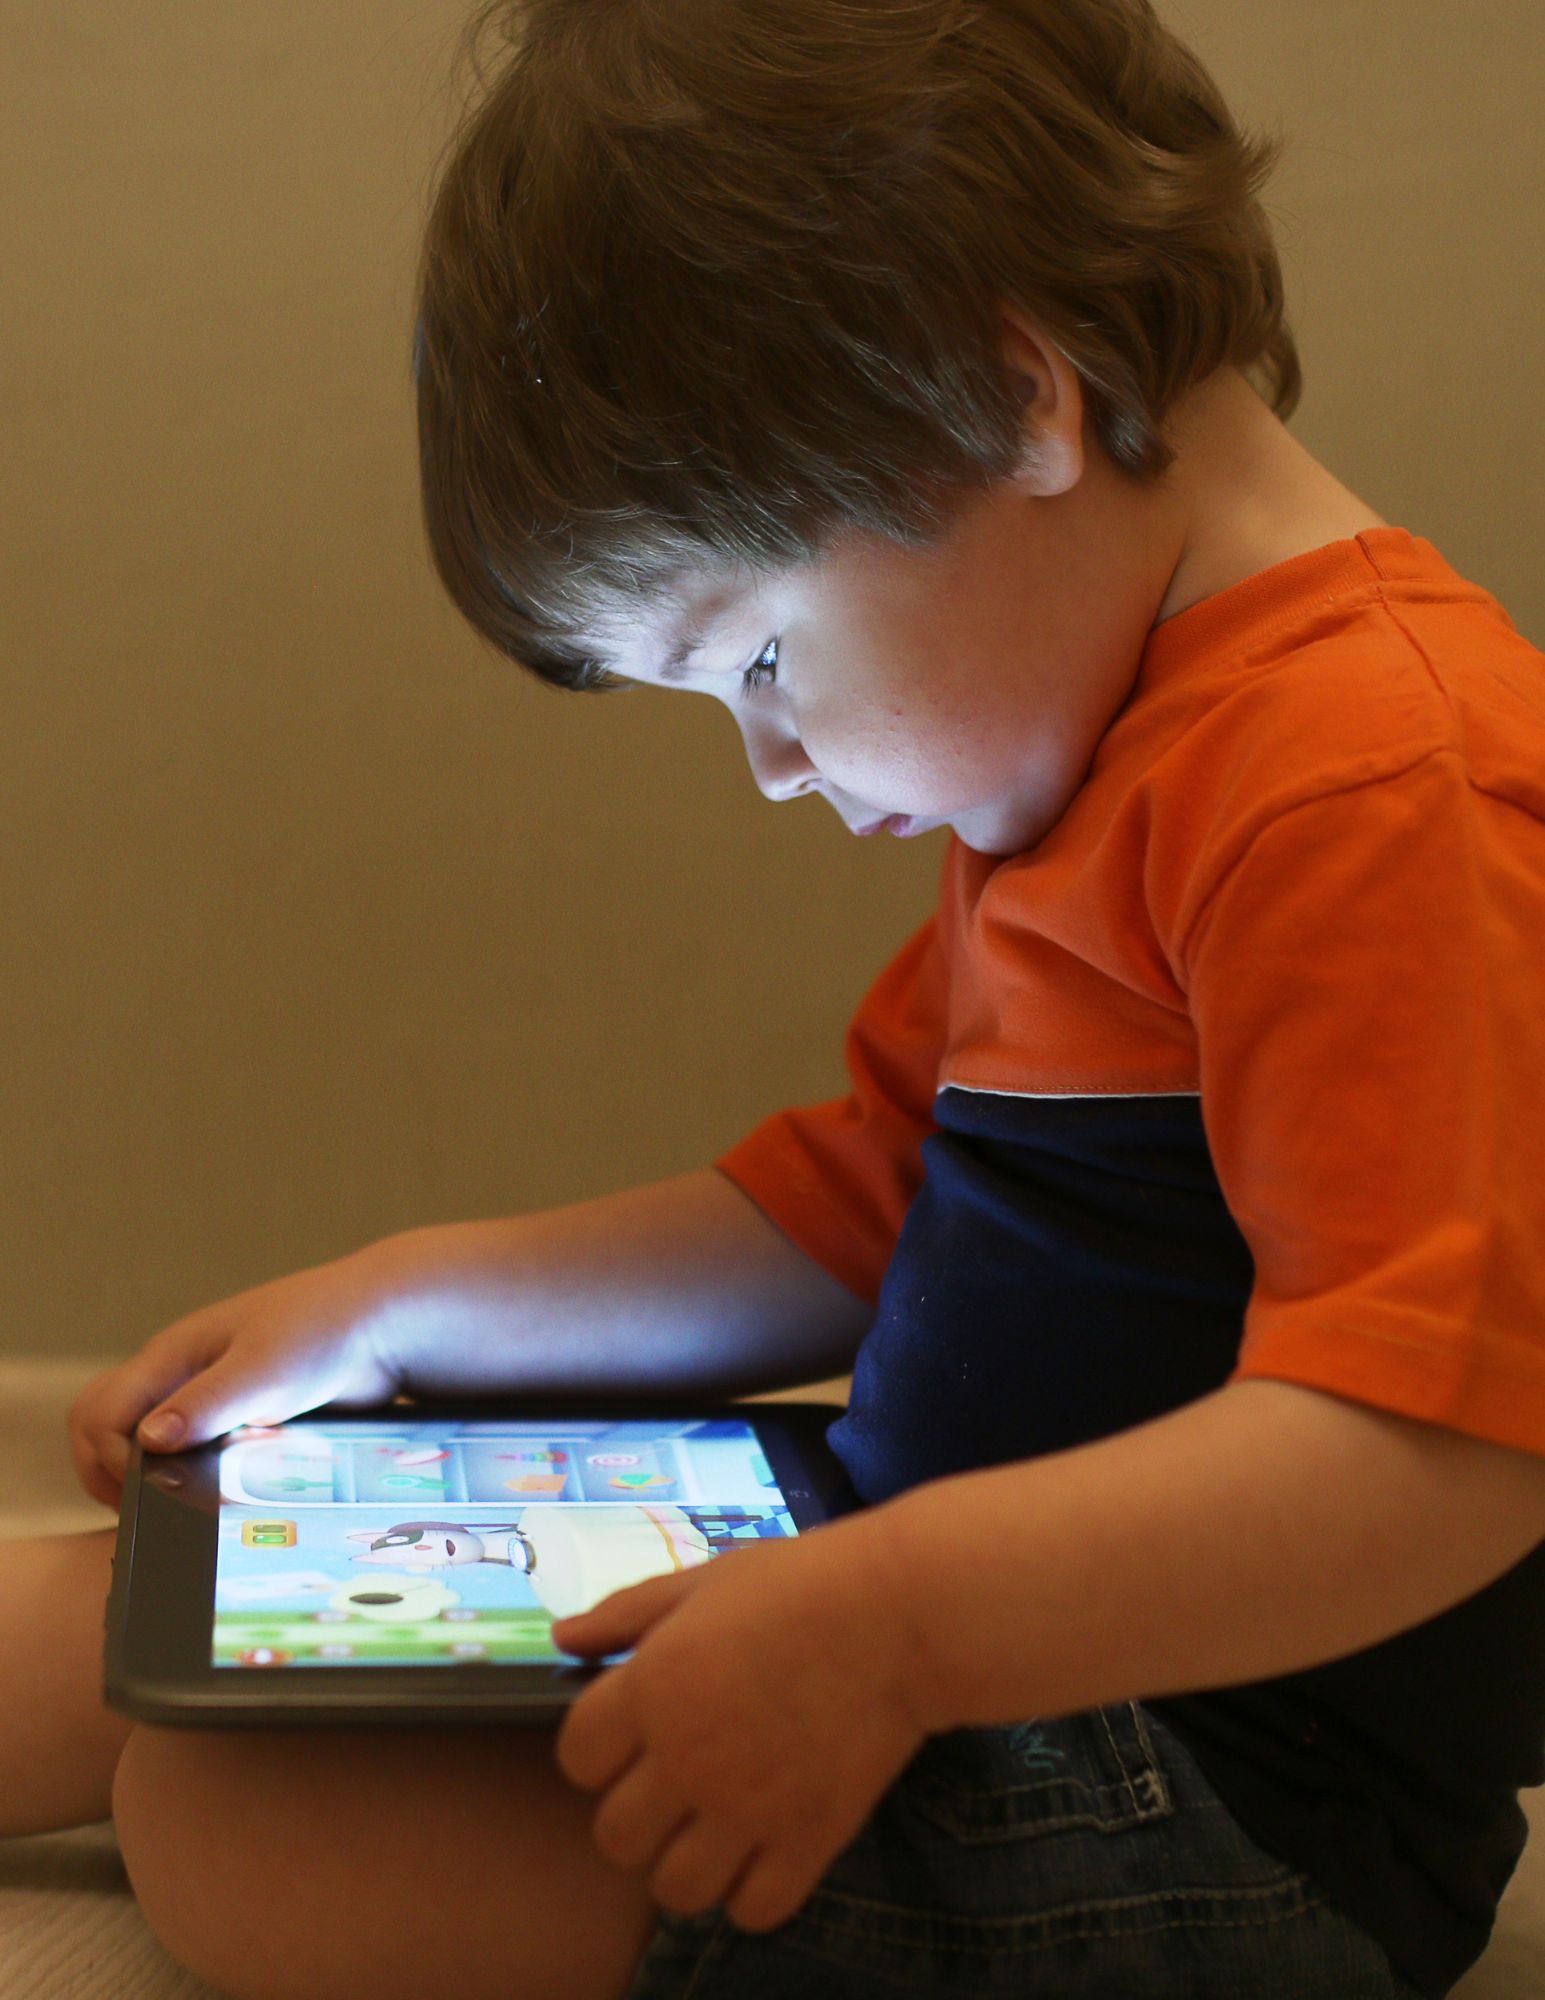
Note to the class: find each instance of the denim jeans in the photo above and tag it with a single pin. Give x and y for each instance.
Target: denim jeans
(1081, 1859)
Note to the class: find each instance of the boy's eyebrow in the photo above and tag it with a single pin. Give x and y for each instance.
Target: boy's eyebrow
(674, 667)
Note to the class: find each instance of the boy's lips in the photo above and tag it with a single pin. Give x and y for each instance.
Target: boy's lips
(899, 824)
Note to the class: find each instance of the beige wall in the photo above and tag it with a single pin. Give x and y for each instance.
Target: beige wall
(317, 921)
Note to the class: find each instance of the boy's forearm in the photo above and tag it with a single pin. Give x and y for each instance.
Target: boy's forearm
(680, 1285)
(1265, 1529)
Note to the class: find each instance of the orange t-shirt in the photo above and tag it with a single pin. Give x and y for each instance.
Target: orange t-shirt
(1302, 886)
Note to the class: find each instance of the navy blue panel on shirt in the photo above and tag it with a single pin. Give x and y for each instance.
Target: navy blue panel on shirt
(1068, 1269)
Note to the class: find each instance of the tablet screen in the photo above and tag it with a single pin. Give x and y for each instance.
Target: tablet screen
(411, 1541)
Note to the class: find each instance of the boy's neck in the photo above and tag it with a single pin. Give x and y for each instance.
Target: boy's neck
(1248, 493)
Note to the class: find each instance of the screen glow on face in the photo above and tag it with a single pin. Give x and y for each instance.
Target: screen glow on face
(420, 1543)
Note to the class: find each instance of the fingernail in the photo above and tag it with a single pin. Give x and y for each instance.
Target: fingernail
(165, 1429)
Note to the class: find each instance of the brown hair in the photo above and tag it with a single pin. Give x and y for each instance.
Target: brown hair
(711, 282)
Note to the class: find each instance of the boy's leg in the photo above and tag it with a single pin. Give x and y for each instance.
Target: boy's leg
(59, 1745)
(290, 1864)
(376, 1864)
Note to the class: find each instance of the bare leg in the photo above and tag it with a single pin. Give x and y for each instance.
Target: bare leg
(375, 1864)
(59, 1746)
(311, 1864)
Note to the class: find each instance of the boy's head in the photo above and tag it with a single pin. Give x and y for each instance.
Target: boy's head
(722, 300)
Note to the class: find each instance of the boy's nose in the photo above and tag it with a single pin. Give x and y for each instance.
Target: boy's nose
(778, 763)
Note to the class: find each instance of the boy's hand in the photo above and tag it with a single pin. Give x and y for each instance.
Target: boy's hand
(260, 1357)
(763, 1715)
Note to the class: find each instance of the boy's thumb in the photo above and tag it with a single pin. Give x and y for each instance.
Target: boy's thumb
(162, 1430)
(623, 1617)
(190, 1419)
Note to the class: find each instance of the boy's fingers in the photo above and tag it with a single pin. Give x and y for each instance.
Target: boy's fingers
(104, 1416)
(100, 1470)
(99, 1484)
(112, 1406)
(210, 1404)
(240, 1387)
(618, 1620)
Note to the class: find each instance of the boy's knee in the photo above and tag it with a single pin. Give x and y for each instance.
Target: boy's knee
(325, 1865)
(244, 1852)
(186, 1868)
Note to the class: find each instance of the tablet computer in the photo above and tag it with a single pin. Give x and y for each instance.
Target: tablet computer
(405, 1564)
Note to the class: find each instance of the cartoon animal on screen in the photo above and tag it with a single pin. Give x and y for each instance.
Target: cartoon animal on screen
(572, 1556)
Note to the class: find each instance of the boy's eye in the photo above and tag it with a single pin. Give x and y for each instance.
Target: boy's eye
(762, 670)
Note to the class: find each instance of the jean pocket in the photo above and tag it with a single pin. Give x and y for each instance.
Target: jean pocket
(1097, 1770)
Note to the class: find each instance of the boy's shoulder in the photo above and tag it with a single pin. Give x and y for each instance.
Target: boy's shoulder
(1354, 686)
(1342, 701)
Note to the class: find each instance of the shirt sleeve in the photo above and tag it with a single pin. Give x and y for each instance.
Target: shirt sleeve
(838, 1177)
(1367, 981)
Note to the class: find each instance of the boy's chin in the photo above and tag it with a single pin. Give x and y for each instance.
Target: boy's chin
(996, 834)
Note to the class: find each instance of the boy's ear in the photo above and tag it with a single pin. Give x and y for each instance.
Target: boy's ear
(1052, 407)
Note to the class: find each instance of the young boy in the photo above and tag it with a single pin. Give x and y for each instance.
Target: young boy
(880, 370)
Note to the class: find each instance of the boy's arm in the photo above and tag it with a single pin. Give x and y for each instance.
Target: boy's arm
(1264, 1529)
(682, 1285)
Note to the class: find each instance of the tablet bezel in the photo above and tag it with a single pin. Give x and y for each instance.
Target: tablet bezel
(156, 1665)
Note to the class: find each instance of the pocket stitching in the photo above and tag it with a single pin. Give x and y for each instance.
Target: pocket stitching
(1154, 1776)
(1103, 1805)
